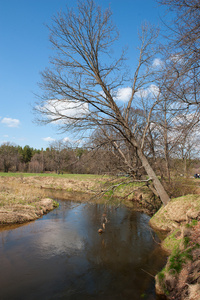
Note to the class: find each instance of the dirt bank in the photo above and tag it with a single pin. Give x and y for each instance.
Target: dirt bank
(180, 279)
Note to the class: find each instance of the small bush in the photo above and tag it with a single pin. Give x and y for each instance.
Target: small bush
(186, 241)
(176, 262)
(180, 187)
(55, 204)
(194, 222)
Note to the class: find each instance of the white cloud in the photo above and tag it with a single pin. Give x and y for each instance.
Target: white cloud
(66, 139)
(123, 94)
(3, 142)
(48, 139)
(9, 122)
(187, 119)
(63, 109)
(176, 58)
(157, 63)
(149, 91)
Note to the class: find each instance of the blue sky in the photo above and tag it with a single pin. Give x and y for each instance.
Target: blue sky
(25, 51)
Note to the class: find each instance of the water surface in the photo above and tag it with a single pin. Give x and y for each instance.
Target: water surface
(62, 256)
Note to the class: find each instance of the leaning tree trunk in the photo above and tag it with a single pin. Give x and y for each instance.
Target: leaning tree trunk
(157, 184)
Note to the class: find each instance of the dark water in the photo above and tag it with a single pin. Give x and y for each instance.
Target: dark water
(62, 256)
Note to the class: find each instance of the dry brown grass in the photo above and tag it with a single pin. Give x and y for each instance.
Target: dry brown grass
(21, 202)
(14, 191)
(178, 187)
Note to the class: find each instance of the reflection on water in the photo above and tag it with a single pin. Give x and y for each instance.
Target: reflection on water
(62, 256)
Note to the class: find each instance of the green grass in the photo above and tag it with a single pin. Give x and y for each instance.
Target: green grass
(172, 242)
(194, 222)
(69, 176)
(55, 204)
(178, 258)
(121, 189)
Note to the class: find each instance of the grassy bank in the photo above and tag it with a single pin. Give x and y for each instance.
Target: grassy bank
(180, 278)
(55, 175)
(23, 198)
(95, 188)
(21, 203)
(22, 194)
(24, 189)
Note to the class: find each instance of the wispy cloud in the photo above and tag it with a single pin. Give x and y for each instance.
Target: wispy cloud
(176, 58)
(157, 63)
(66, 139)
(152, 90)
(64, 109)
(48, 139)
(9, 122)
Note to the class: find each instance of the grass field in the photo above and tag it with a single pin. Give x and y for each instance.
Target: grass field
(68, 176)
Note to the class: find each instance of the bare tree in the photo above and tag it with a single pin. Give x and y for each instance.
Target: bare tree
(36, 164)
(187, 145)
(81, 90)
(58, 155)
(185, 25)
(9, 157)
(179, 83)
(182, 56)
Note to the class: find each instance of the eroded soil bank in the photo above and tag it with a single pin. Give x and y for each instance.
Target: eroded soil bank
(180, 220)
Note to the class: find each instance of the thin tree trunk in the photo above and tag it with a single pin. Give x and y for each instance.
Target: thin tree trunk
(185, 166)
(167, 165)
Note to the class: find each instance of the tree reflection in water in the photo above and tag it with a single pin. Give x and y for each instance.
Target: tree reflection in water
(62, 256)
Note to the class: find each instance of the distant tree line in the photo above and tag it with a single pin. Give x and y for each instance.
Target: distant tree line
(61, 157)
(58, 157)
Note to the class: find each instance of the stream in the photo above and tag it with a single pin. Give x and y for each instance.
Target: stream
(62, 255)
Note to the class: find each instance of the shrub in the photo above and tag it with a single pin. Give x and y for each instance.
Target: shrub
(180, 187)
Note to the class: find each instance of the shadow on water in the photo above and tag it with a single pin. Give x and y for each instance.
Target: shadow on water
(62, 256)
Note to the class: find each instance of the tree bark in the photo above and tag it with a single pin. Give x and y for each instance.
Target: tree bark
(150, 172)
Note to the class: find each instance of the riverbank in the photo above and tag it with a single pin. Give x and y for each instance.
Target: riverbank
(26, 197)
(61, 254)
(22, 195)
(20, 203)
(180, 221)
